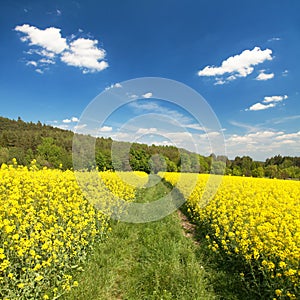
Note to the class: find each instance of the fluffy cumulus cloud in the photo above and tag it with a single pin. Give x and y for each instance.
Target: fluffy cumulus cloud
(240, 65)
(147, 95)
(264, 76)
(268, 102)
(263, 143)
(49, 44)
(73, 119)
(269, 99)
(105, 129)
(260, 106)
(50, 38)
(84, 53)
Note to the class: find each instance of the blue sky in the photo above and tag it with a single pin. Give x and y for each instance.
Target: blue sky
(241, 56)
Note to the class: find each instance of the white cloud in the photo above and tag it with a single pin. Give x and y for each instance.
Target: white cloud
(285, 73)
(152, 106)
(39, 71)
(81, 52)
(74, 119)
(105, 129)
(62, 126)
(84, 54)
(49, 38)
(260, 106)
(146, 130)
(263, 143)
(274, 39)
(195, 126)
(231, 77)
(219, 81)
(42, 52)
(58, 12)
(46, 61)
(240, 65)
(77, 127)
(31, 63)
(116, 85)
(269, 99)
(265, 76)
(162, 143)
(132, 96)
(288, 136)
(147, 95)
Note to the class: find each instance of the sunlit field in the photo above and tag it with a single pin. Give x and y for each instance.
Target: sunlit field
(48, 227)
(251, 222)
(51, 220)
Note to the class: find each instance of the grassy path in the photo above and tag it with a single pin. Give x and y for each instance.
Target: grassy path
(145, 261)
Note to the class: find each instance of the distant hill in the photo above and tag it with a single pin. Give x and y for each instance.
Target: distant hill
(52, 147)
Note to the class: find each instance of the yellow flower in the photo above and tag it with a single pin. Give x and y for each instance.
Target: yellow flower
(254, 220)
(75, 283)
(39, 278)
(282, 264)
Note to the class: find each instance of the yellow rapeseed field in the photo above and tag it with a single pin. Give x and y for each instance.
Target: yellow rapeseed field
(47, 227)
(254, 221)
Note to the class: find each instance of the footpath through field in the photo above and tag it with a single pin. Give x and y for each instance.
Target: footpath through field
(145, 261)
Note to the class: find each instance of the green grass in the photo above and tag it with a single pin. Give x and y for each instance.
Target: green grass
(145, 261)
(222, 272)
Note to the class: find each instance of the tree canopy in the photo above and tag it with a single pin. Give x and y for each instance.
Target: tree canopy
(52, 147)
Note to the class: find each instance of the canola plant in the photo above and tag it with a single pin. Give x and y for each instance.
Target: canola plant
(47, 227)
(252, 221)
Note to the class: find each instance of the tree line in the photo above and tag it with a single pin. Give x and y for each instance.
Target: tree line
(52, 147)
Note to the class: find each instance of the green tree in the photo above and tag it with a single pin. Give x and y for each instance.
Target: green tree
(171, 166)
(195, 166)
(4, 155)
(139, 160)
(246, 163)
(157, 163)
(236, 171)
(271, 171)
(104, 161)
(185, 162)
(218, 167)
(49, 153)
(203, 164)
(258, 172)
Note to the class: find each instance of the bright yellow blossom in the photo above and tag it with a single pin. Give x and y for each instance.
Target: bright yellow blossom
(47, 225)
(256, 220)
